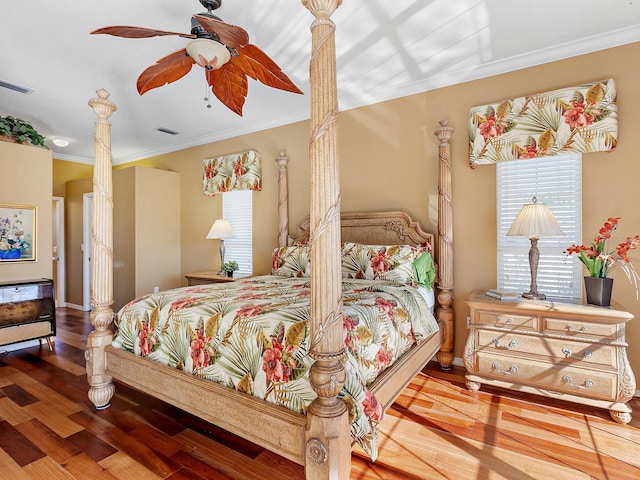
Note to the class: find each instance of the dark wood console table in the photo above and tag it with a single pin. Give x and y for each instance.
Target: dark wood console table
(27, 311)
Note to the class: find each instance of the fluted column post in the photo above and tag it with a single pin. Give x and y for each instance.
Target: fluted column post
(444, 311)
(101, 385)
(328, 442)
(283, 201)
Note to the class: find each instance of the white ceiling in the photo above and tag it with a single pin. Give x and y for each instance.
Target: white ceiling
(385, 49)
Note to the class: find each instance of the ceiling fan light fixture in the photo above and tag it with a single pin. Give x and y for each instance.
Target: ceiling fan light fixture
(207, 53)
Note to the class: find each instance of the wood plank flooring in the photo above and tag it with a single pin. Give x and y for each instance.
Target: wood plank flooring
(436, 430)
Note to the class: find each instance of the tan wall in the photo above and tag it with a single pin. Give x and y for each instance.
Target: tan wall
(393, 141)
(124, 236)
(64, 171)
(26, 179)
(157, 230)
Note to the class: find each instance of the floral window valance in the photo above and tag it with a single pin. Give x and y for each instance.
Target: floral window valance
(238, 171)
(569, 120)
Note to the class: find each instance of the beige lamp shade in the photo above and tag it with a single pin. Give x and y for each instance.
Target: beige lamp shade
(535, 220)
(220, 229)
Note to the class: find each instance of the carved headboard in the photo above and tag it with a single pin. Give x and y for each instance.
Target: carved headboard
(373, 228)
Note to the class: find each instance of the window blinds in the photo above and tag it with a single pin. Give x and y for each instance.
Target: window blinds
(237, 208)
(557, 182)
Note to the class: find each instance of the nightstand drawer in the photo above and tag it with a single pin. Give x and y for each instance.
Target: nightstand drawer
(581, 329)
(555, 378)
(504, 343)
(507, 320)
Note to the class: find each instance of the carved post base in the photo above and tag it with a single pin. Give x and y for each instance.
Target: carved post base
(328, 447)
(101, 385)
(445, 359)
(101, 395)
(328, 438)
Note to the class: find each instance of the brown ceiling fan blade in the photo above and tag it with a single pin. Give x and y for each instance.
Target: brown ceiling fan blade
(257, 64)
(166, 70)
(138, 32)
(229, 84)
(231, 35)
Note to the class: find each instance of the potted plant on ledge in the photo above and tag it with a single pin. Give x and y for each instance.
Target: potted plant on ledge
(16, 130)
(230, 267)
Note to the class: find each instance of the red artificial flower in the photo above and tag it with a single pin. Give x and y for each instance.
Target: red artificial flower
(600, 261)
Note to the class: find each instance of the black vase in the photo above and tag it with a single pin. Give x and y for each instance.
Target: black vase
(598, 290)
(229, 274)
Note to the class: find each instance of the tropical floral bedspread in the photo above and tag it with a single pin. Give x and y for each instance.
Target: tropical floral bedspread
(253, 335)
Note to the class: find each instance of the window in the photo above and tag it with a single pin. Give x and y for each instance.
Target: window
(557, 182)
(237, 208)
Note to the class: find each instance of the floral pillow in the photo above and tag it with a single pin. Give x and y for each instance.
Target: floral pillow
(291, 261)
(394, 263)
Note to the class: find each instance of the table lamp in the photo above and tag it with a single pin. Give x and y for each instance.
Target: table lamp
(534, 220)
(221, 229)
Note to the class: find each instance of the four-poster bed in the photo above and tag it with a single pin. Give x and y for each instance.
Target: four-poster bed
(319, 439)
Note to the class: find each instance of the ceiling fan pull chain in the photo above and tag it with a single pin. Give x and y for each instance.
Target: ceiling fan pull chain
(206, 93)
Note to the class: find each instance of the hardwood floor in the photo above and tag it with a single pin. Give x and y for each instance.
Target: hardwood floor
(436, 430)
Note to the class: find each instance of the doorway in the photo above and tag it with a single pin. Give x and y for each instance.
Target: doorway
(57, 253)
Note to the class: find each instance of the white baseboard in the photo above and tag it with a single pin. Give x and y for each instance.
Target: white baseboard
(77, 307)
(19, 346)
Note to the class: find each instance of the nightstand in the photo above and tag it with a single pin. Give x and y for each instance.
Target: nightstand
(557, 349)
(202, 278)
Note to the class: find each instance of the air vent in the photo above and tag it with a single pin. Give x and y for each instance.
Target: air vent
(16, 88)
(168, 131)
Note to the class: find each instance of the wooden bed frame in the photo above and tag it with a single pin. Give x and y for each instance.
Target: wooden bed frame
(320, 440)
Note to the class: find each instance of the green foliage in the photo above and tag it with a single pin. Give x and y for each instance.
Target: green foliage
(230, 266)
(20, 131)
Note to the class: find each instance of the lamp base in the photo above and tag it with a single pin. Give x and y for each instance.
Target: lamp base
(534, 296)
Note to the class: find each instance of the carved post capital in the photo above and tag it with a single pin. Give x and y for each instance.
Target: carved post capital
(102, 106)
(282, 160)
(444, 131)
(322, 8)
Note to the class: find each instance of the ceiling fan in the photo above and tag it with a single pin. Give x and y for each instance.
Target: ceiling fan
(222, 49)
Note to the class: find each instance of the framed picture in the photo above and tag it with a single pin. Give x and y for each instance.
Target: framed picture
(17, 233)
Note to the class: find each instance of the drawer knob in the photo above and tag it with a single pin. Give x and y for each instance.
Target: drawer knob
(496, 367)
(567, 353)
(511, 344)
(587, 383)
(571, 328)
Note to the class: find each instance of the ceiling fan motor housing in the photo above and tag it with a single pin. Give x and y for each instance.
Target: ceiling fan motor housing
(211, 4)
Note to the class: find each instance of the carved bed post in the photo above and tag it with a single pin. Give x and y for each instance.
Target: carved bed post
(328, 441)
(283, 202)
(444, 311)
(102, 388)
